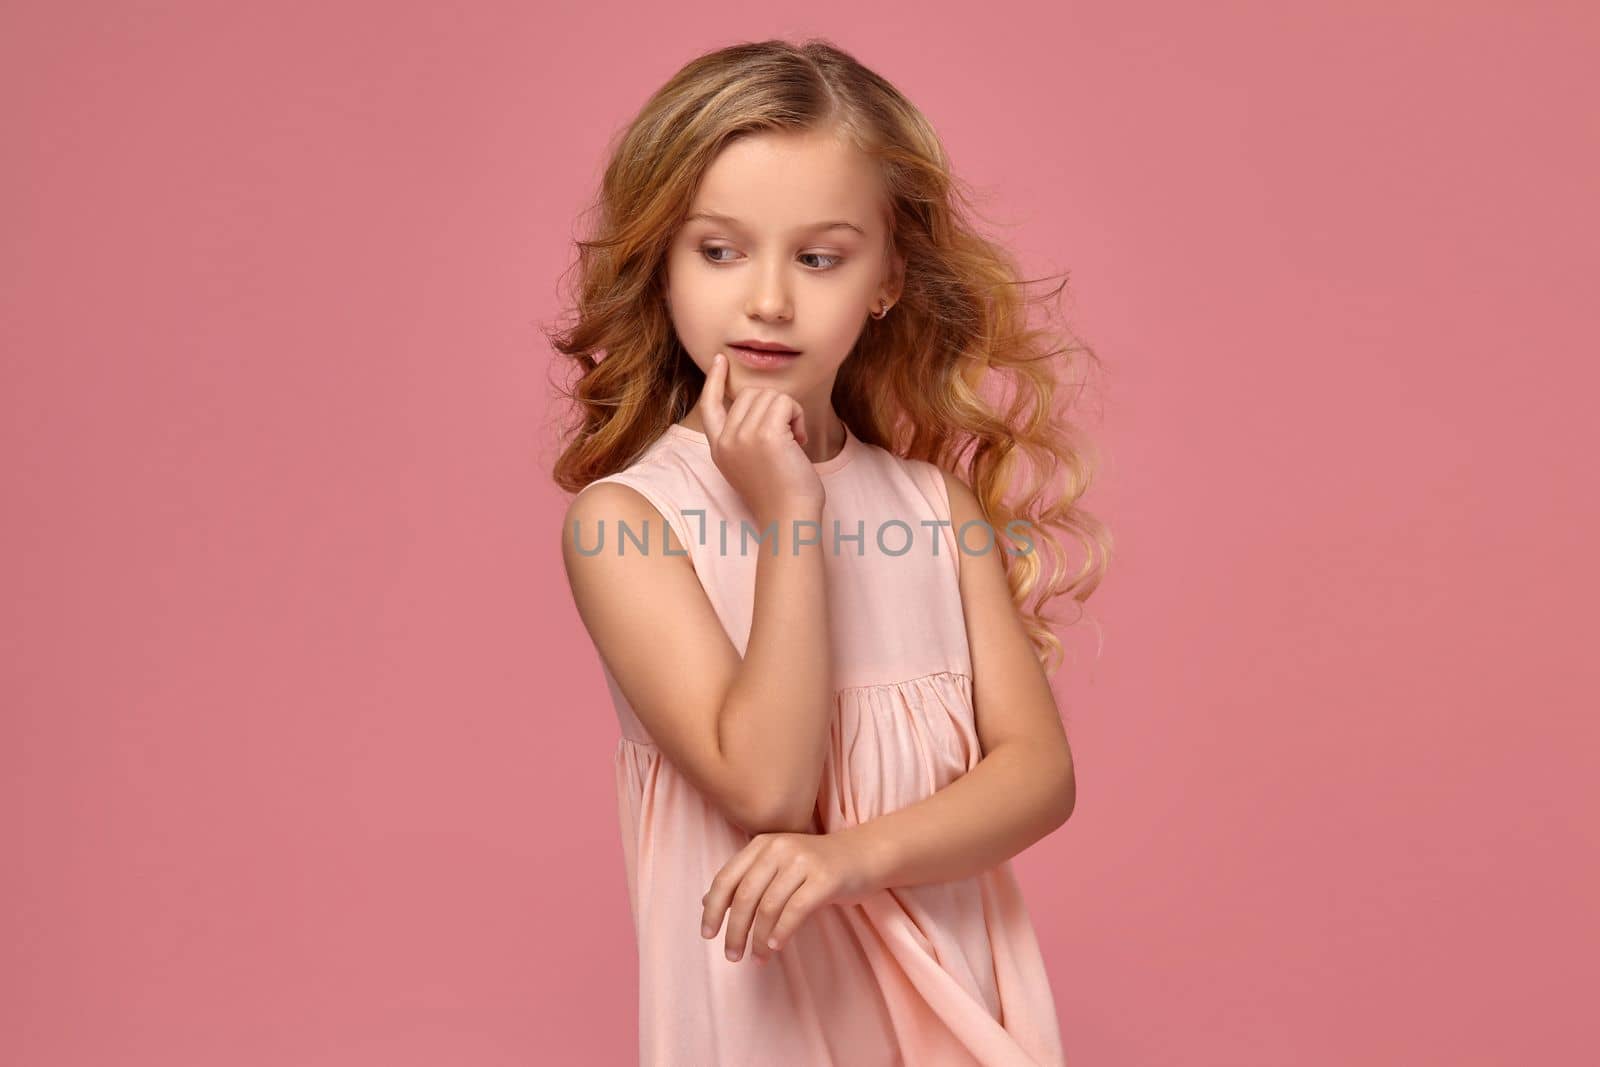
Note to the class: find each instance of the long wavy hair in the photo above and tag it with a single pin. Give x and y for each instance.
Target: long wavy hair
(955, 374)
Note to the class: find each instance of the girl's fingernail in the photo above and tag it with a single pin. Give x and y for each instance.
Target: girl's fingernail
(733, 954)
(772, 942)
(706, 930)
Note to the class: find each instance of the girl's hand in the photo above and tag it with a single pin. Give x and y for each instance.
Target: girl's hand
(776, 881)
(756, 444)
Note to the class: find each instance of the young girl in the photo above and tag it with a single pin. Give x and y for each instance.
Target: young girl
(836, 728)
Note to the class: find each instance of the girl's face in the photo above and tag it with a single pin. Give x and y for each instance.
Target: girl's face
(785, 241)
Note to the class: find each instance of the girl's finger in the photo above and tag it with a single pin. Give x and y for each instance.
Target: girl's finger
(802, 902)
(787, 410)
(742, 912)
(797, 425)
(755, 420)
(723, 884)
(713, 411)
(772, 905)
(738, 411)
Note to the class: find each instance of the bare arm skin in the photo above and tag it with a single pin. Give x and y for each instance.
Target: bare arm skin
(778, 712)
(750, 734)
(1023, 787)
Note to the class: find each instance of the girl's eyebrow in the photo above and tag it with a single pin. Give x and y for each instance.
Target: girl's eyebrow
(729, 220)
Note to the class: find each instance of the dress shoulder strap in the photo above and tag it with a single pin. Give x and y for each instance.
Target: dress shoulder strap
(930, 480)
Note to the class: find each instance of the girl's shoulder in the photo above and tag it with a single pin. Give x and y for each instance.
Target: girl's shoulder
(671, 473)
(926, 476)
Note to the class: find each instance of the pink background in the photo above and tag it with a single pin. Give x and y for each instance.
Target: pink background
(307, 755)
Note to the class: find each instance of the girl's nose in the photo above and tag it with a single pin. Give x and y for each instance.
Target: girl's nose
(770, 298)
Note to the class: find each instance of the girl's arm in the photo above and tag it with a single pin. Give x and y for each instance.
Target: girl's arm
(778, 712)
(751, 735)
(1023, 788)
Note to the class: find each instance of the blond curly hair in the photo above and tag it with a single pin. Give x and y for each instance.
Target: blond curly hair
(956, 375)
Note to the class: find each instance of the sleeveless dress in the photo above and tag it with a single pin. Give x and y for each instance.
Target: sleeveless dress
(938, 974)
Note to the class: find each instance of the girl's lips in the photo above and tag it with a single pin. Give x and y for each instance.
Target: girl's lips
(755, 357)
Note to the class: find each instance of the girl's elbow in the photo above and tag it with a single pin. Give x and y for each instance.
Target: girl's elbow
(766, 813)
(773, 823)
(1066, 795)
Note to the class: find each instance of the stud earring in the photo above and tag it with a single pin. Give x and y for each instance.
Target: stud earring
(883, 309)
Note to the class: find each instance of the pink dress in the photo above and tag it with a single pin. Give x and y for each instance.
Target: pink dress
(937, 974)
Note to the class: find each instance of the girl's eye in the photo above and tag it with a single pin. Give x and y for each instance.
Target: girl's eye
(708, 250)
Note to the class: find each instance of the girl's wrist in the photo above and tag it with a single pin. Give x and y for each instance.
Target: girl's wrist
(792, 509)
(875, 854)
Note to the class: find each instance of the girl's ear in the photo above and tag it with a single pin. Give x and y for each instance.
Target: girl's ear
(895, 282)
